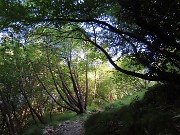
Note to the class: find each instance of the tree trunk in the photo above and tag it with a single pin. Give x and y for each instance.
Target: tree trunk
(95, 82)
(87, 87)
(32, 110)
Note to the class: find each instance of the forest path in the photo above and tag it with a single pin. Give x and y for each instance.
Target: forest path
(66, 128)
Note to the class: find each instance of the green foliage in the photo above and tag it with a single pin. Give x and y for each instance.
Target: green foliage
(125, 101)
(97, 105)
(109, 120)
(163, 95)
(57, 118)
(118, 28)
(101, 84)
(127, 85)
(34, 130)
(36, 36)
(37, 129)
(151, 115)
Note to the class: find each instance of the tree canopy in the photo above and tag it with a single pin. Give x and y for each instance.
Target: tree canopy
(57, 52)
(147, 30)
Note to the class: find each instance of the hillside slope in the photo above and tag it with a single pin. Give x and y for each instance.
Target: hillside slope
(157, 113)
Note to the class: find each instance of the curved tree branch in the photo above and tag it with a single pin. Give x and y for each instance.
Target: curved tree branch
(162, 76)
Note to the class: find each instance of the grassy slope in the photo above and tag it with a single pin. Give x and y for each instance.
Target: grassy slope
(157, 113)
(36, 129)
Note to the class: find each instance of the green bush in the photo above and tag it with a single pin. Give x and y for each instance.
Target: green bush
(34, 130)
(37, 129)
(154, 114)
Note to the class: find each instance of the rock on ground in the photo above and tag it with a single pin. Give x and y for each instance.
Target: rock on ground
(66, 128)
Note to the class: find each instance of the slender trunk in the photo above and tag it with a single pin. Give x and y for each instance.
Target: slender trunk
(76, 90)
(46, 90)
(50, 112)
(82, 105)
(87, 87)
(65, 88)
(56, 86)
(32, 110)
(5, 109)
(9, 128)
(8, 119)
(95, 83)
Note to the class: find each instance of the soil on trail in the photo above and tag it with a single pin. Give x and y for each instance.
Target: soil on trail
(66, 128)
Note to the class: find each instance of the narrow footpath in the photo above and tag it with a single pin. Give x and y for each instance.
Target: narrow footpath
(66, 128)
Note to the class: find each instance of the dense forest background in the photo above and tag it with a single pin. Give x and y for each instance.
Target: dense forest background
(77, 55)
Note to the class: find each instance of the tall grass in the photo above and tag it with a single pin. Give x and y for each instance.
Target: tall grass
(37, 129)
(152, 113)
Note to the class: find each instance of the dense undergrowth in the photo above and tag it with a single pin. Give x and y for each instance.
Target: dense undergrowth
(152, 112)
(157, 113)
(37, 129)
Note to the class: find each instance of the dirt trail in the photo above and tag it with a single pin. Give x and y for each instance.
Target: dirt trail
(66, 128)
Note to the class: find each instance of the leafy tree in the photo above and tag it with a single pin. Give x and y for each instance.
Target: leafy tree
(146, 29)
(18, 91)
(41, 53)
(127, 85)
(65, 68)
